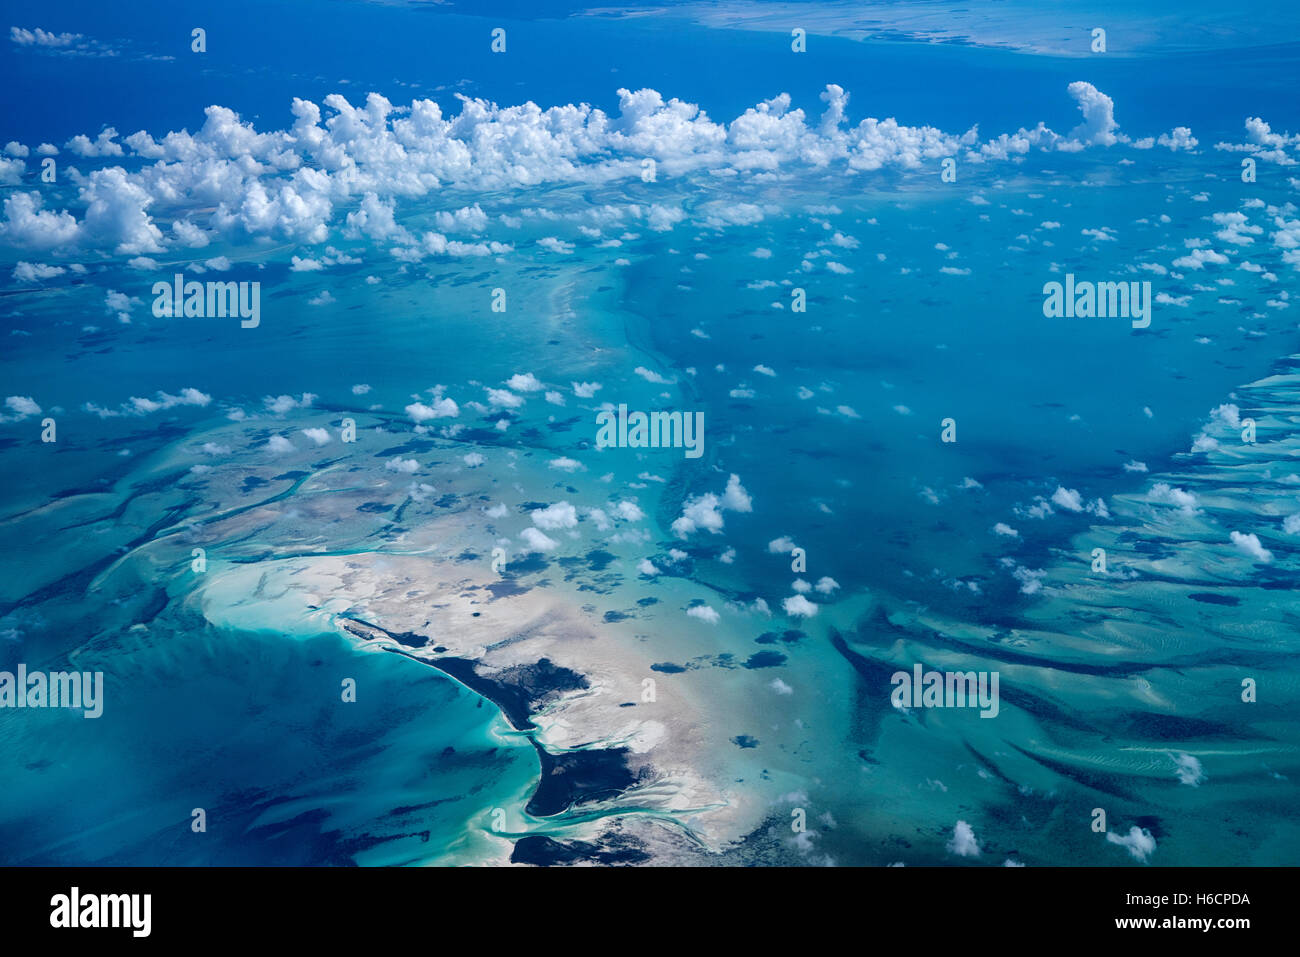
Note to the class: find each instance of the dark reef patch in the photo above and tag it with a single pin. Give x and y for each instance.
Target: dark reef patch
(599, 559)
(575, 777)
(568, 778)
(667, 667)
(1210, 598)
(533, 562)
(505, 588)
(545, 852)
(1147, 725)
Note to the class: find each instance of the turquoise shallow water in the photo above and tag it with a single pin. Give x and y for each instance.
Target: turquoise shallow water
(1120, 691)
(253, 730)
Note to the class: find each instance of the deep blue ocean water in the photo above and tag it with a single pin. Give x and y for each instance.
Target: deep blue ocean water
(248, 723)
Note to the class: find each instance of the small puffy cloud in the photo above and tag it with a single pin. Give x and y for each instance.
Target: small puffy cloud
(29, 226)
(36, 272)
(797, 606)
(1249, 543)
(963, 842)
(700, 512)
(629, 511)
(443, 408)
(319, 436)
(735, 498)
(1188, 770)
(279, 444)
(1102, 235)
(1167, 495)
(555, 245)
(1068, 498)
(467, 219)
(404, 466)
(718, 214)
(651, 376)
(21, 406)
(1197, 259)
(1098, 109)
(1179, 138)
(504, 399)
(538, 541)
(37, 37)
(1236, 230)
(704, 512)
(1139, 842)
(1031, 579)
(280, 404)
(703, 613)
(102, 145)
(138, 405)
(524, 382)
(119, 304)
(1226, 414)
(164, 400)
(559, 515)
